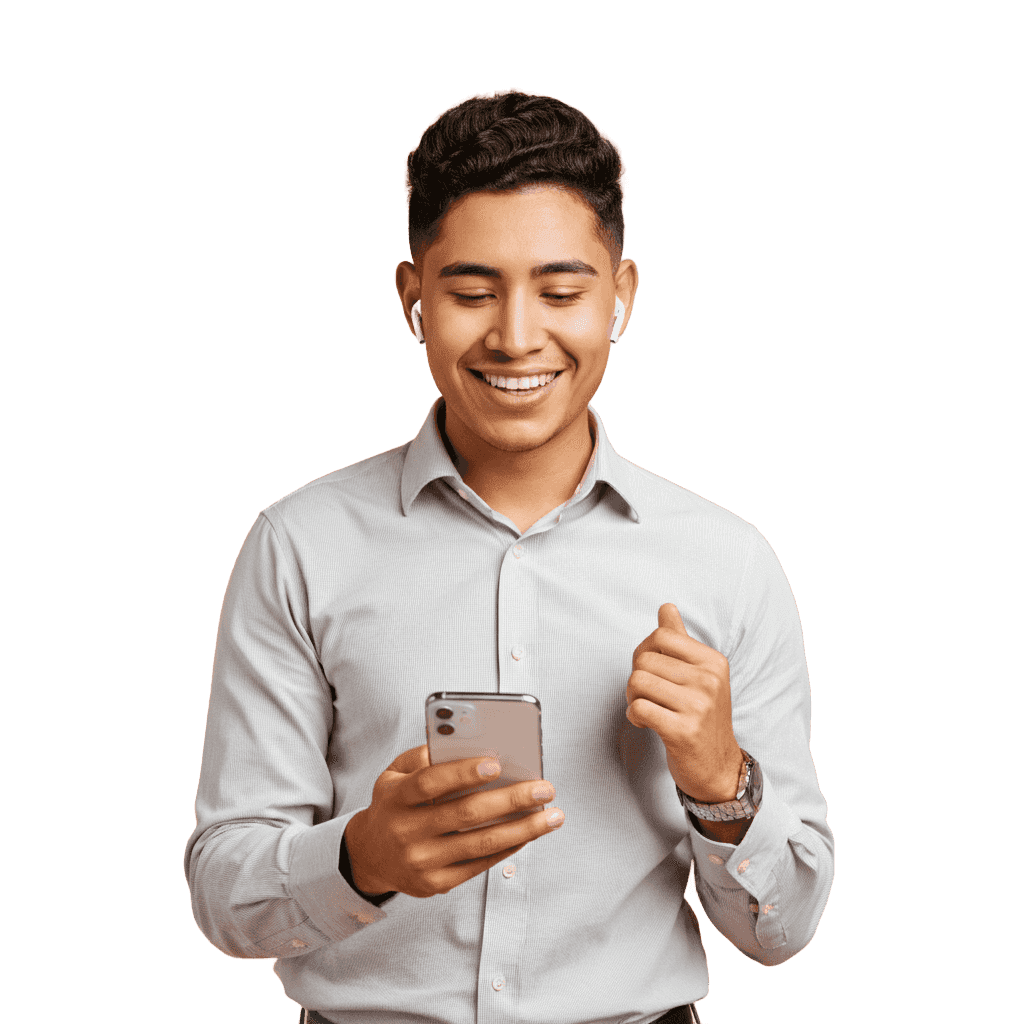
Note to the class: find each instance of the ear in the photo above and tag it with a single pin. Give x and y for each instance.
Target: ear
(407, 280)
(626, 281)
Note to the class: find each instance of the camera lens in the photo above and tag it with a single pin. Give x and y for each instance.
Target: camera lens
(444, 712)
(446, 730)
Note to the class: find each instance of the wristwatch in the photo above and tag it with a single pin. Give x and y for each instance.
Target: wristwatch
(747, 801)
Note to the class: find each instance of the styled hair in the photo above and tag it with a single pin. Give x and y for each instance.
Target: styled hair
(509, 141)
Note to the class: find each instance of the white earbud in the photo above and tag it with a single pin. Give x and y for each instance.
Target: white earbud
(620, 315)
(417, 321)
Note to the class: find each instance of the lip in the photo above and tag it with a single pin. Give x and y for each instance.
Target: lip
(502, 395)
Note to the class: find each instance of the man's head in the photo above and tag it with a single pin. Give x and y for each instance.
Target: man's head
(502, 143)
(515, 224)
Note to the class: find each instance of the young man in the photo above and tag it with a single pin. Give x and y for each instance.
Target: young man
(507, 548)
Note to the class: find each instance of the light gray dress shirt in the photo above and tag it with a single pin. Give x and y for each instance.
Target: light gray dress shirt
(355, 597)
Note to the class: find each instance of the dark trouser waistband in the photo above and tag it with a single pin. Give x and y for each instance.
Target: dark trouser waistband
(677, 1015)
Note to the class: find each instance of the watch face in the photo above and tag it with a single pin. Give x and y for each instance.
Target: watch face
(754, 786)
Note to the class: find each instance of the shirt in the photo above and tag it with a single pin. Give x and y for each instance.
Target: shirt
(358, 595)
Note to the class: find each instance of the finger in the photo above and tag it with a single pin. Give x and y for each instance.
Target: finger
(439, 780)
(669, 618)
(474, 809)
(497, 839)
(681, 669)
(645, 714)
(411, 760)
(663, 692)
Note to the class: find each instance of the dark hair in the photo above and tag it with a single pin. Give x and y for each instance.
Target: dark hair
(507, 141)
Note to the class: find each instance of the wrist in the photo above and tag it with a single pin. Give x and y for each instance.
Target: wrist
(723, 788)
(741, 806)
(351, 853)
(722, 831)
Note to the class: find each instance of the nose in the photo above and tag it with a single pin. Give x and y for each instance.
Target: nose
(516, 330)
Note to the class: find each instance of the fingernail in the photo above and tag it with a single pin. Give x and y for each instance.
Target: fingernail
(543, 792)
(488, 769)
(555, 817)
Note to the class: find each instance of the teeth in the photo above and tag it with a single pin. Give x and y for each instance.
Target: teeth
(519, 383)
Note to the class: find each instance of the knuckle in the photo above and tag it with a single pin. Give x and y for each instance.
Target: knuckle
(420, 788)
(462, 814)
(415, 859)
(524, 798)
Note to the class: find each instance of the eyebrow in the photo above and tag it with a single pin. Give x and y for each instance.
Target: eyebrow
(482, 270)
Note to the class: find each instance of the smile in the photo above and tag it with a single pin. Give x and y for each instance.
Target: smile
(531, 383)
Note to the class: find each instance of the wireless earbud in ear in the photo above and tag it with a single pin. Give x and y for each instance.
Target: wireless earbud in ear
(417, 321)
(620, 315)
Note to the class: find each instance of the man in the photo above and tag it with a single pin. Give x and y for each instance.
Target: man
(507, 548)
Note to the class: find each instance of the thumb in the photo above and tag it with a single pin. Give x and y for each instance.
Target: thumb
(669, 617)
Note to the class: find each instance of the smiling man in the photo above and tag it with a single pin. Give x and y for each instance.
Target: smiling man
(507, 548)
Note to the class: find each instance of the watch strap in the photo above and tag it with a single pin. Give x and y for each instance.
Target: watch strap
(748, 797)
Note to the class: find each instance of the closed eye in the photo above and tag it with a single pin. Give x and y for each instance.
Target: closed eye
(552, 296)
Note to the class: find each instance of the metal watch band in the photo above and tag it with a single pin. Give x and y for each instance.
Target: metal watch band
(748, 797)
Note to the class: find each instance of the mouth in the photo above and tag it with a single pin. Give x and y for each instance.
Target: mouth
(529, 385)
(544, 386)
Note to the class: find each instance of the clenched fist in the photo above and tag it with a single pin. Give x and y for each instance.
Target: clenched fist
(680, 689)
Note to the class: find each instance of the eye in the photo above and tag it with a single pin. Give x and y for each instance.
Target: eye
(562, 300)
(472, 298)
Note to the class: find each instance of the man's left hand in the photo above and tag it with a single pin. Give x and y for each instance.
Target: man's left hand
(680, 689)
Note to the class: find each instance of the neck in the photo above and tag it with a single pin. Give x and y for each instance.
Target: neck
(524, 486)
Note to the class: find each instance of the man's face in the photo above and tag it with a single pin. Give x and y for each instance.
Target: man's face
(517, 285)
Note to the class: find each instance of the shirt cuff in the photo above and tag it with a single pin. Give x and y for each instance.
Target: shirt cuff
(751, 865)
(317, 885)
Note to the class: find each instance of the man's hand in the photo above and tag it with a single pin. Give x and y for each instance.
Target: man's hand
(680, 689)
(405, 842)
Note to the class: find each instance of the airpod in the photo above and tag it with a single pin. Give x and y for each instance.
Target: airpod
(620, 315)
(417, 321)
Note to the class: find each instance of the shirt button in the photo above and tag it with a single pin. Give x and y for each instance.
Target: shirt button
(715, 859)
(742, 866)
(518, 551)
(517, 652)
(498, 983)
(463, 494)
(298, 944)
(508, 870)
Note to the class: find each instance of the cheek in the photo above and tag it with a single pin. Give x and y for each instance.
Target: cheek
(582, 324)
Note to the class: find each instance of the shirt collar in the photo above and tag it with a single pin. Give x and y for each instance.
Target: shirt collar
(427, 460)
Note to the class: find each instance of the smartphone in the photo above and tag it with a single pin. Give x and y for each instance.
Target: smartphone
(505, 726)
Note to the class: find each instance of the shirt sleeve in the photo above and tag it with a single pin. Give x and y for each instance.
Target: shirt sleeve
(767, 894)
(263, 862)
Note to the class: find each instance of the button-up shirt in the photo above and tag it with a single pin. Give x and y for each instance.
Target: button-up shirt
(361, 593)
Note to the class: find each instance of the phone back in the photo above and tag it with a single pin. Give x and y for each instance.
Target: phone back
(505, 726)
